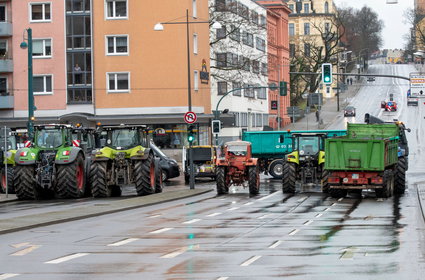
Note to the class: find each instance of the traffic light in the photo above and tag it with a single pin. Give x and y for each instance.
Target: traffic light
(283, 88)
(190, 134)
(216, 126)
(327, 73)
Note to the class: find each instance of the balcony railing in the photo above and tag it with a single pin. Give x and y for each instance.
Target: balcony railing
(6, 101)
(6, 64)
(5, 29)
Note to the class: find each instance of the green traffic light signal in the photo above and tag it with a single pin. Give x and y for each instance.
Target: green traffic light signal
(190, 134)
(327, 73)
(283, 88)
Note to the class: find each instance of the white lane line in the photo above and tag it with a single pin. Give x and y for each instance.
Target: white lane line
(179, 251)
(214, 214)
(264, 216)
(67, 258)
(327, 209)
(222, 278)
(308, 222)
(161, 230)
(250, 261)
(192, 221)
(319, 215)
(302, 199)
(233, 208)
(154, 216)
(274, 245)
(122, 242)
(19, 245)
(341, 199)
(268, 196)
(26, 250)
(249, 203)
(294, 232)
(333, 204)
(7, 275)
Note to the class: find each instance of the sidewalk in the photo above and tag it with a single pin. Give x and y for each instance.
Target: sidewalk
(329, 110)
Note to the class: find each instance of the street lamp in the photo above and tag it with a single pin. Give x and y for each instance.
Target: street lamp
(31, 106)
(160, 27)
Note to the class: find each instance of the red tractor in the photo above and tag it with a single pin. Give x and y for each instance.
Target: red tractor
(389, 106)
(236, 166)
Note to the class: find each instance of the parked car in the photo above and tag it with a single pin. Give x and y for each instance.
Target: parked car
(349, 111)
(170, 167)
(412, 101)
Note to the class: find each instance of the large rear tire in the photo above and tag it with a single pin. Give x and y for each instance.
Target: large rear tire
(10, 180)
(159, 183)
(276, 169)
(400, 176)
(222, 181)
(25, 184)
(70, 179)
(325, 183)
(144, 176)
(387, 188)
(98, 179)
(254, 180)
(289, 177)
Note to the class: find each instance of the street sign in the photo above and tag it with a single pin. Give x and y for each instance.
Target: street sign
(190, 117)
(417, 84)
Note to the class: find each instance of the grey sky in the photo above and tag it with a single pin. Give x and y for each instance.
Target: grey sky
(392, 15)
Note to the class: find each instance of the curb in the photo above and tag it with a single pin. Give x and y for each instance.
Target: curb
(421, 197)
(103, 208)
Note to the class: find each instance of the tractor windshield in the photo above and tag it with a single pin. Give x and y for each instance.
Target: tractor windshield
(308, 145)
(238, 150)
(124, 138)
(49, 138)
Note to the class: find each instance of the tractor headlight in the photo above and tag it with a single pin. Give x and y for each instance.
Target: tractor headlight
(8, 154)
(301, 152)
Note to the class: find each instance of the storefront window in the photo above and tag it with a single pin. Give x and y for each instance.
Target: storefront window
(174, 136)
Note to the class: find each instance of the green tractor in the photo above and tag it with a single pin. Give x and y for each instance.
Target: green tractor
(124, 159)
(305, 163)
(51, 166)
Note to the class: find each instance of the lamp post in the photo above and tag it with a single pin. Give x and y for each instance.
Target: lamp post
(160, 27)
(31, 106)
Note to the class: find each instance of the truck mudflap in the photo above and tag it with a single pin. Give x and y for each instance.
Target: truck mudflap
(355, 180)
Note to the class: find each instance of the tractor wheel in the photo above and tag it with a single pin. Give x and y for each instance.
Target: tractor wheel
(186, 178)
(325, 184)
(387, 188)
(222, 181)
(289, 176)
(70, 179)
(159, 183)
(25, 184)
(10, 180)
(254, 180)
(98, 179)
(400, 176)
(144, 176)
(337, 193)
(276, 169)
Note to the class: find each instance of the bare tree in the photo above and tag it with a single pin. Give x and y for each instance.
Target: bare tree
(416, 38)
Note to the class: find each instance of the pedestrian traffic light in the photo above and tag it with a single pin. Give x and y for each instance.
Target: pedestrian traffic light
(190, 134)
(216, 126)
(327, 73)
(283, 88)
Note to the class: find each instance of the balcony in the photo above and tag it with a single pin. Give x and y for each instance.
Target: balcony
(5, 28)
(6, 102)
(6, 65)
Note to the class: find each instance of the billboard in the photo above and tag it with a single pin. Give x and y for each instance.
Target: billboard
(417, 84)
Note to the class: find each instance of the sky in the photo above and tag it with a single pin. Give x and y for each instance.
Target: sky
(391, 14)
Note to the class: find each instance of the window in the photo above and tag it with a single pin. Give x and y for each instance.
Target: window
(220, 5)
(3, 13)
(117, 45)
(246, 64)
(221, 60)
(195, 43)
(244, 119)
(235, 34)
(254, 17)
(42, 48)
(237, 120)
(236, 85)
(221, 33)
(243, 11)
(40, 12)
(194, 9)
(306, 8)
(77, 6)
(306, 28)
(261, 93)
(42, 84)
(3, 86)
(291, 7)
(116, 9)
(256, 67)
(196, 80)
(118, 82)
(3, 48)
(327, 27)
(307, 50)
(263, 21)
(249, 91)
(291, 29)
(326, 7)
(264, 69)
(291, 50)
(260, 44)
(233, 6)
(259, 120)
(248, 39)
(221, 88)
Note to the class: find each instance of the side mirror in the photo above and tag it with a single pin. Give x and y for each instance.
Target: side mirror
(408, 130)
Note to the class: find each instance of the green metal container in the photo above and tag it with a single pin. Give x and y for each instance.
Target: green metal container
(372, 131)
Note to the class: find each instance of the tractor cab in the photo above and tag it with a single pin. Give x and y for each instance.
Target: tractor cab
(123, 137)
(308, 144)
(237, 150)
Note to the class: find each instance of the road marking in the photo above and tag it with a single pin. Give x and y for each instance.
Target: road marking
(348, 254)
(19, 245)
(308, 222)
(7, 275)
(67, 258)
(222, 278)
(294, 232)
(302, 199)
(333, 204)
(250, 261)
(122, 242)
(341, 199)
(234, 208)
(268, 196)
(179, 252)
(319, 215)
(327, 209)
(274, 245)
(214, 214)
(192, 221)
(26, 250)
(264, 216)
(161, 230)
(154, 216)
(249, 203)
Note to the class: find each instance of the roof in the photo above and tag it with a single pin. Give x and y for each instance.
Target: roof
(236, 143)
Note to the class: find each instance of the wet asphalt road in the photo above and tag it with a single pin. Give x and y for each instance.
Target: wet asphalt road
(270, 236)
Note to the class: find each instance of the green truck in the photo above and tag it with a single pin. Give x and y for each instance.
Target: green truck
(270, 147)
(368, 157)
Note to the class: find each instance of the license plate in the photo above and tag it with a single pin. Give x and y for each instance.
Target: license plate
(355, 176)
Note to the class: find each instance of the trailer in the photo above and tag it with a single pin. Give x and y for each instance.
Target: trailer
(270, 147)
